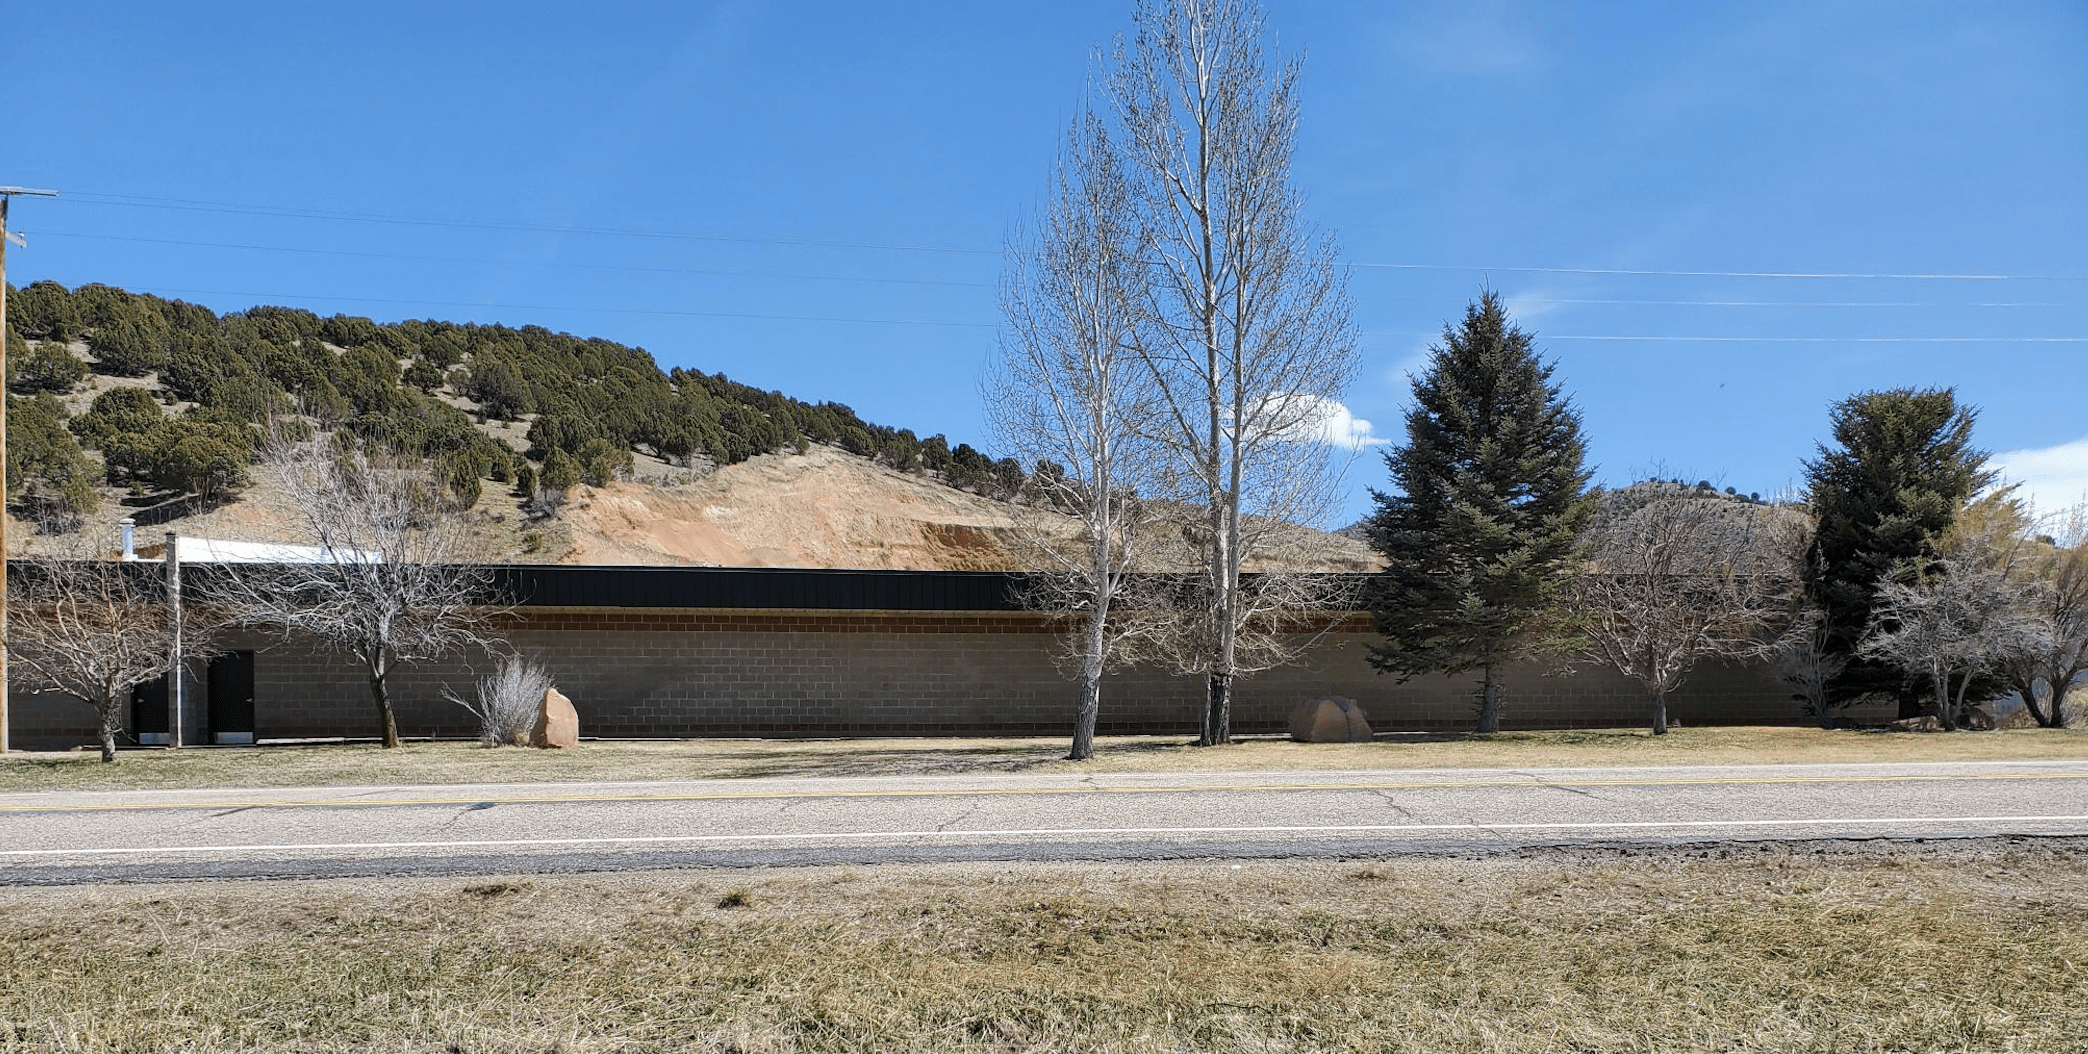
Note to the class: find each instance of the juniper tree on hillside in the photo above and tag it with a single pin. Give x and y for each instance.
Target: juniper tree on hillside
(1902, 466)
(1481, 529)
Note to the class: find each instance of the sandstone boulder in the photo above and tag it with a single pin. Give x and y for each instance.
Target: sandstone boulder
(1331, 719)
(1924, 723)
(557, 723)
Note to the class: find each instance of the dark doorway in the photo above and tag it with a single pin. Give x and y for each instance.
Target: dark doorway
(149, 712)
(232, 698)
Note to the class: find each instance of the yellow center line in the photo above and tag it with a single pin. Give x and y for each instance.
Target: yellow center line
(1181, 788)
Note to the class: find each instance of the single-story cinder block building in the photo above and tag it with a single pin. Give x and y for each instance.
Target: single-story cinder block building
(672, 652)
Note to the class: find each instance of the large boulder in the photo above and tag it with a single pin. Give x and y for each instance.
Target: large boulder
(1331, 719)
(557, 723)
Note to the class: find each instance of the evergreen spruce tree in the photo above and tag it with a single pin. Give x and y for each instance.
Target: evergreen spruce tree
(1482, 528)
(1902, 467)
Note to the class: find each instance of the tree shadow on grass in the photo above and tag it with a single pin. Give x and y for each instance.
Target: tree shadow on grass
(931, 759)
(928, 761)
(1148, 747)
(52, 764)
(1548, 737)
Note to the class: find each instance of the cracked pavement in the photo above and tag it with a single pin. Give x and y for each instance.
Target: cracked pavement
(513, 828)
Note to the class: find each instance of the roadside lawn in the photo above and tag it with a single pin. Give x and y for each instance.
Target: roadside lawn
(363, 764)
(1776, 950)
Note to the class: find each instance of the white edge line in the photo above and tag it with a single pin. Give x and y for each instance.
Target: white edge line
(863, 835)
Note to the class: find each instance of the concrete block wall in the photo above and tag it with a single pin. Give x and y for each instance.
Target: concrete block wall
(680, 673)
(646, 673)
(50, 720)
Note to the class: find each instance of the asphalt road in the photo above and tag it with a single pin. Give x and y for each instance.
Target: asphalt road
(68, 838)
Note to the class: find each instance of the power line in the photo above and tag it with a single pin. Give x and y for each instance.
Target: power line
(184, 204)
(1778, 303)
(1639, 272)
(1816, 340)
(279, 298)
(535, 228)
(511, 263)
(793, 276)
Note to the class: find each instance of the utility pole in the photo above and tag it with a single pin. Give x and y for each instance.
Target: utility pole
(172, 570)
(7, 194)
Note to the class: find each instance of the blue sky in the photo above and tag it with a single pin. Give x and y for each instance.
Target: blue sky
(811, 196)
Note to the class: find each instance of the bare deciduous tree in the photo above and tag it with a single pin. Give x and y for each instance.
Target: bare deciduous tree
(1967, 613)
(1676, 583)
(391, 586)
(1801, 650)
(1802, 658)
(95, 629)
(2054, 567)
(1247, 333)
(1069, 396)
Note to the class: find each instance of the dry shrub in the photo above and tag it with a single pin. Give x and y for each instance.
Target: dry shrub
(508, 701)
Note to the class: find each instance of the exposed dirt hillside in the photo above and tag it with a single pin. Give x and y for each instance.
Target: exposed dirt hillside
(826, 508)
(823, 508)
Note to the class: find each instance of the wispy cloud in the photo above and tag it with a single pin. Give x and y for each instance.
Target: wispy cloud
(1467, 39)
(1531, 304)
(2052, 477)
(1402, 374)
(1329, 421)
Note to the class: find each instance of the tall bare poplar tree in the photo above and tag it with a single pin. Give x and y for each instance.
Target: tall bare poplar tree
(1069, 395)
(1247, 334)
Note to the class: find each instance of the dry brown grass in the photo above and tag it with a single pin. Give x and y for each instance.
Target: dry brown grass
(362, 764)
(1779, 953)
